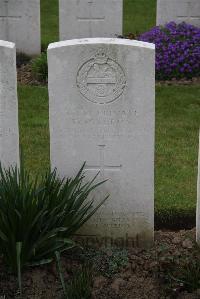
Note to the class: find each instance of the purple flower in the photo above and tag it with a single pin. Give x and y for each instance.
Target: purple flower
(177, 50)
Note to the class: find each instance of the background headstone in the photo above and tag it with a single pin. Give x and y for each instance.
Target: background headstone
(198, 200)
(179, 11)
(9, 135)
(102, 112)
(20, 23)
(90, 18)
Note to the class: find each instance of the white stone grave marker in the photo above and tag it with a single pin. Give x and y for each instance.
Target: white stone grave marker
(90, 18)
(178, 11)
(9, 136)
(102, 112)
(20, 23)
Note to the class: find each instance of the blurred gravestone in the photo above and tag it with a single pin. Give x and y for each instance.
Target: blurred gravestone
(179, 11)
(20, 23)
(9, 136)
(90, 18)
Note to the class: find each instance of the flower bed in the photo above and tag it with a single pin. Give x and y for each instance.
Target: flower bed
(177, 50)
(170, 269)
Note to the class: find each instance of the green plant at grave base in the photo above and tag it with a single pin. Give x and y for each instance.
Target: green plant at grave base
(108, 262)
(39, 68)
(117, 261)
(37, 218)
(186, 276)
(80, 286)
(177, 271)
(191, 276)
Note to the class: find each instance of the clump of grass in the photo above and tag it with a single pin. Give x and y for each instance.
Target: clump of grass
(187, 276)
(39, 68)
(179, 273)
(80, 285)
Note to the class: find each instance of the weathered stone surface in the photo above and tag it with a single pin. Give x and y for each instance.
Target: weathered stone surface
(20, 23)
(178, 11)
(102, 112)
(9, 136)
(90, 18)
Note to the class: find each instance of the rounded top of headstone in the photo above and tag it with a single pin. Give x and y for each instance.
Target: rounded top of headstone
(112, 41)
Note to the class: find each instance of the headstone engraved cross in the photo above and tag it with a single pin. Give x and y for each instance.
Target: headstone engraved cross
(188, 16)
(102, 167)
(6, 15)
(178, 11)
(90, 18)
(20, 24)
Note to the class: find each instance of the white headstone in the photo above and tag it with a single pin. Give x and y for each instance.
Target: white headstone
(20, 23)
(90, 18)
(198, 200)
(102, 112)
(178, 11)
(9, 136)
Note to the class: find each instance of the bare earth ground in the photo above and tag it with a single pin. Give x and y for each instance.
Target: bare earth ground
(24, 76)
(142, 276)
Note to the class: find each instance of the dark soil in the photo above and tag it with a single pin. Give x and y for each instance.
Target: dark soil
(25, 76)
(193, 81)
(117, 273)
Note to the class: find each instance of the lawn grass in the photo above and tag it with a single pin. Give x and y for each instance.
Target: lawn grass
(49, 22)
(139, 15)
(34, 127)
(177, 123)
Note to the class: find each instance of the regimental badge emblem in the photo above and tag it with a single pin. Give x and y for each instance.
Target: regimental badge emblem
(101, 80)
